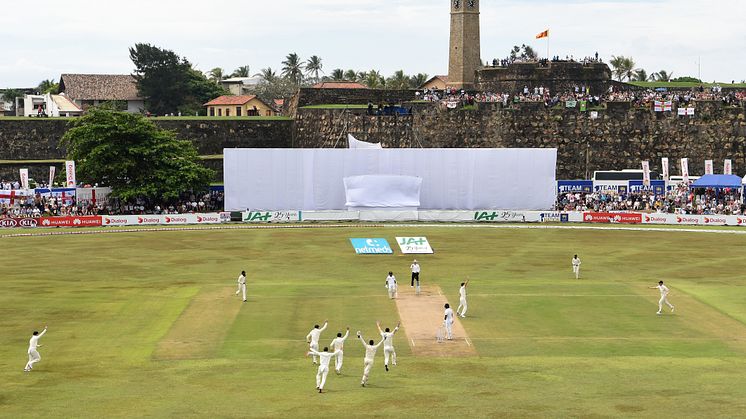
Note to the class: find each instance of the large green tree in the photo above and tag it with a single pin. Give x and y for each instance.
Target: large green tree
(10, 95)
(48, 86)
(314, 67)
(129, 153)
(162, 78)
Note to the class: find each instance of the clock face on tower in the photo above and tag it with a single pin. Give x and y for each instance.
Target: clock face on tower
(472, 3)
(456, 4)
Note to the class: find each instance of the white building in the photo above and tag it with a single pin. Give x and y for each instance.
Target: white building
(47, 105)
(239, 86)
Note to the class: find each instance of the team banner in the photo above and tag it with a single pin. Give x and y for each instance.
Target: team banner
(656, 187)
(371, 246)
(13, 197)
(64, 195)
(728, 167)
(52, 172)
(685, 170)
(571, 186)
(646, 173)
(666, 170)
(24, 178)
(709, 167)
(611, 186)
(414, 245)
(70, 174)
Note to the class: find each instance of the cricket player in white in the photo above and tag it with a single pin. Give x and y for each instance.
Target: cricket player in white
(338, 344)
(415, 267)
(448, 321)
(370, 356)
(664, 297)
(324, 359)
(391, 285)
(33, 354)
(462, 306)
(388, 344)
(313, 338)
(576, 266)
(242, 285)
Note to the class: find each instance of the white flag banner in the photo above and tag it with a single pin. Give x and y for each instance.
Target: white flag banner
(728, 167)
(24, 179)
(52, 172)
(685, 170)
(355, 143)
(70, 171)
(682, 112)
(666, 170)
(709, 169)
(646, 173)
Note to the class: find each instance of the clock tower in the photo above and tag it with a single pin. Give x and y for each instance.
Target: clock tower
(465, 55)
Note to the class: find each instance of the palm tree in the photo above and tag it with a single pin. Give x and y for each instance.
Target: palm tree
(374, 80)
(641, 75)
(361, 76)
(623, 67)
(417, 80)
(338, 74)
(314, 66)
(398, 81)
(293, 68)
(267, 74)
(663, 75)
(242, 71)
(350, 75)
(48, 86)
(217, 74)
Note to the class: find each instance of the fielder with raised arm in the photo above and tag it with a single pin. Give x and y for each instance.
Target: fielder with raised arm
(576, 266)
(33, 353)
(338, 344)
(242, 285)
(664, 297)
(391, 285)
(388, 344)
(324, 359)
(370, 356)
(462, 306)
(313, 338)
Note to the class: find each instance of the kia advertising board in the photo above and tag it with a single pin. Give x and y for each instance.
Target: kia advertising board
(371, 246)
(414, 245)
(18, 222)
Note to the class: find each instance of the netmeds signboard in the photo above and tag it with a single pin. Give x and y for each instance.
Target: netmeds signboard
(371, 246)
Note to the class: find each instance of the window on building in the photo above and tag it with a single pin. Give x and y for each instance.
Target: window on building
(220, 111)
(228, 112)
(238, 111)
(269, 112)
(212, 111)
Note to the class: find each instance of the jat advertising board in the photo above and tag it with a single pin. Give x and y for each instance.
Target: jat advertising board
(414, 245)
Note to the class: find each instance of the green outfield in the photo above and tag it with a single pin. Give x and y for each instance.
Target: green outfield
(146, 324)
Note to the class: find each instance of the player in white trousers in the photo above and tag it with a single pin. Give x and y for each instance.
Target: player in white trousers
(462, 306)
(448, 321)
(33, 353)
(370, 355)
(338, 344)
(388, 344)
(391, 285)
(576, 266)
(664, 297)
(324, 359)
(313, 338)
(242, 285)
(415, 267)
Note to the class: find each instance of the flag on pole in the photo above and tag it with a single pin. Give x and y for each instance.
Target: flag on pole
(646, 173)
(685, 170)
(70, 171)
(728, 167)
(52, 171)
(709, 167)
(664, 164)
(24, 179)
(544, 34)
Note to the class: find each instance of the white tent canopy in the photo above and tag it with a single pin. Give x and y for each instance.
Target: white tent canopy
(357, 144)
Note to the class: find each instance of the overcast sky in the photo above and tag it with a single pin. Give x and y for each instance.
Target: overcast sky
(43, 38)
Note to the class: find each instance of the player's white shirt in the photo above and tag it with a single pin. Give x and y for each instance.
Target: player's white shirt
(339, 343)
(388, 338)
(415, 268)
(462, 292)
(33, 343)
(663, 289)
(449, 315)
(315, 333)
(391, 281)
(575, 262)
(370, 350)
(324, 357)
(241, 279)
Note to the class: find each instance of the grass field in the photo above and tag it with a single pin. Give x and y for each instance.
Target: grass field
(146, 324)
